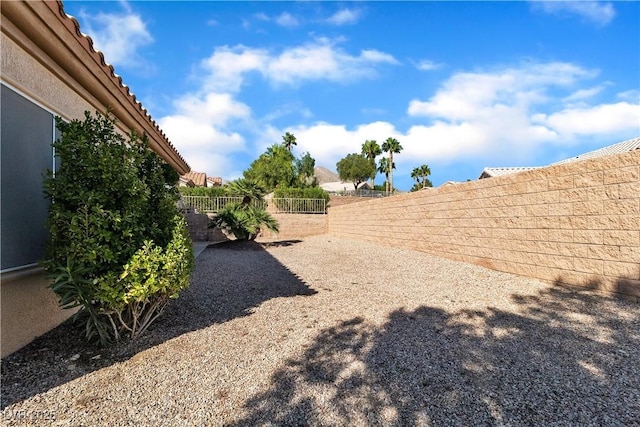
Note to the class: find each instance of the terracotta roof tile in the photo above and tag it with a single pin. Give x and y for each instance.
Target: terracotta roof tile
(214, 180)
(198, 178)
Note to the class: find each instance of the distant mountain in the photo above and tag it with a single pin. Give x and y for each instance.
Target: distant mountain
(324, 175)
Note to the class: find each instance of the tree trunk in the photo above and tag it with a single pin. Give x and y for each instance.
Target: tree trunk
(391, 170)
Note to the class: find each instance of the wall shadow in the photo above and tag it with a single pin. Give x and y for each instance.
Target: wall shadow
(627, 287)
(565, 358)
(229, 280)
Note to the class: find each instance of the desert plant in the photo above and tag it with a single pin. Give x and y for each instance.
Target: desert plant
(111, 198)
(244, 221)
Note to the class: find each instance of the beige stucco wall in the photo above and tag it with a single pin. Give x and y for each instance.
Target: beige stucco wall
(296, 226)
(576, 224)
(29, 308)
(22, 72)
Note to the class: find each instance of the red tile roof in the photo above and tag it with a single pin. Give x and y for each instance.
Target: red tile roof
(198, 178)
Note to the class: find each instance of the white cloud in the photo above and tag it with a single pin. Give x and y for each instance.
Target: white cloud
(118, 36)
(494, 117)
(603, 119)
(583, 94)
(427, 65)
(320, 59)
(468, 95)
(344, 17)
(214, 108)
(202, 128)
(630, 95)
(227, 65)
(287, 20)
(328, 143)
(598, 12)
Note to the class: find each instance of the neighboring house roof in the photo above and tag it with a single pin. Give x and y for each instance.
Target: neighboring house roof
(446, 184)
(621, 147)
(54, 39)
(214, 181)
(186, 182)
(492, 172)
(343, 186)
(199, 178)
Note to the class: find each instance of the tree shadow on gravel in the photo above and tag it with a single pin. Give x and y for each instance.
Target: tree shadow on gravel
(230, 279)
(565, 358)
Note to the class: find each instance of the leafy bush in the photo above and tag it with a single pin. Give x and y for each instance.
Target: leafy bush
(244, 221)
(204, 191)
(301, 193)
(118, 250)
(301, 200)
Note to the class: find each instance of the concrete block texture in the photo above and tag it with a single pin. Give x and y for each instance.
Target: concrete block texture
(574, 224)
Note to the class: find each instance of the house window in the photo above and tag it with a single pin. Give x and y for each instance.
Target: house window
(26, 133)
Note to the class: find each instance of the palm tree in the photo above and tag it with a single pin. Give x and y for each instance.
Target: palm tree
(384, 167)
(371, 149)
(416, 174)
(289, 140)
(424, 171)
(245, 219)
(250, 191)
(391, 145)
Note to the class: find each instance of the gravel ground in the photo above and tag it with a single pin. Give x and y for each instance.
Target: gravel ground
(335, 332)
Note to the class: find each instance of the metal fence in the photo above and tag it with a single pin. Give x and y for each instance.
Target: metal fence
(297, 206)
(360, 193)
(206, 204)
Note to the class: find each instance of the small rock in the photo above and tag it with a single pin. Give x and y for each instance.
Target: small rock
(74, 357)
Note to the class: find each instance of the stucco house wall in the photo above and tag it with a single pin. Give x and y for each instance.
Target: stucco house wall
(47, 61)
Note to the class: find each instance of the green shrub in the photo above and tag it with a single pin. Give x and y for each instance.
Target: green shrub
(118, 250)
(244, 221)
(293, 199)
(301, 193)
(204, 191)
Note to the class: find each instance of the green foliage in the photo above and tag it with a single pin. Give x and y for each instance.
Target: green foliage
(419, 186)
(244, 221)
(278, 168)
(301, 200)
(111, 197)
(391, 146)
(272, 169)
(420, 174)
(204, 191)
(288, 141)
(385, 168)
(301, 193)
(250, 190)
(355, 168)
(305, 170)
(371, 150)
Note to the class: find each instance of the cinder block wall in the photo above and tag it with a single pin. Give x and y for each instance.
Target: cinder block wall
(296, 226)
(576, 224)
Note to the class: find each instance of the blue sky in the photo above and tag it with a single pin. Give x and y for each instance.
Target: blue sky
(461, 85)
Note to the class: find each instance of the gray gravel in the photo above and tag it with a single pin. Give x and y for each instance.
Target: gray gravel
(335, 332)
